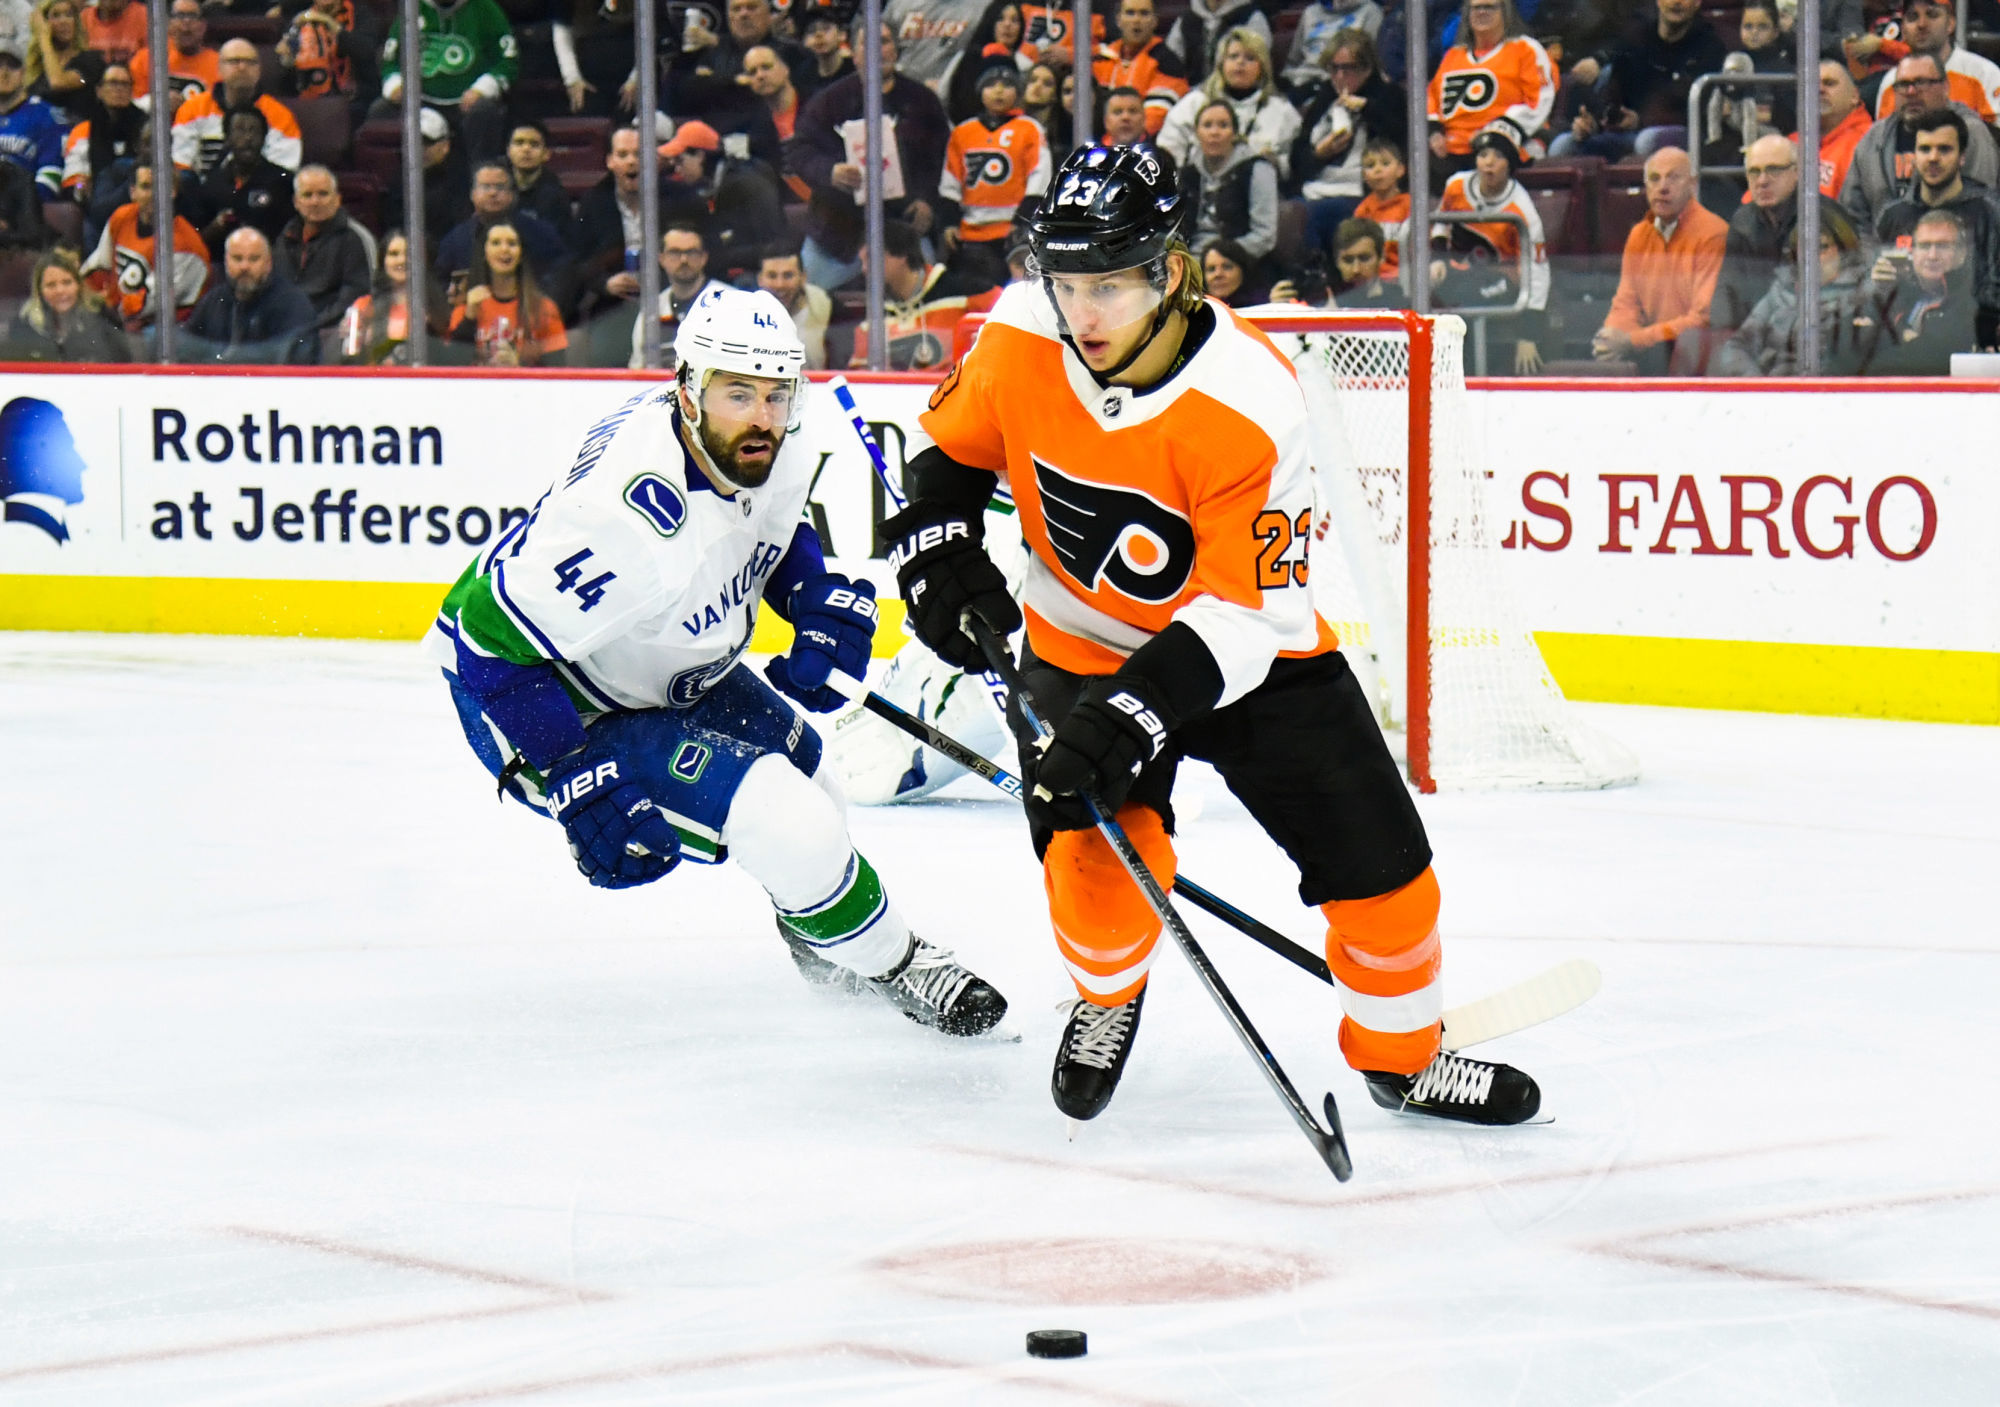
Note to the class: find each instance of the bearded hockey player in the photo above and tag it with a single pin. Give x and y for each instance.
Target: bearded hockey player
(593, 653)
(1155, 447)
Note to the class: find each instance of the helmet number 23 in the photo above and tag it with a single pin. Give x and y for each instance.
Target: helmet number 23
(1079, 189)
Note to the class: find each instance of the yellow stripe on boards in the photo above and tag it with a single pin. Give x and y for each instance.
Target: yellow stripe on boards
(1856, 681)
(349, 610)
(1939, 686)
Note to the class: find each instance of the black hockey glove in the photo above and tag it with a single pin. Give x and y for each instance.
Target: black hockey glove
(942, 569)
(616, 833)
(1117, 726)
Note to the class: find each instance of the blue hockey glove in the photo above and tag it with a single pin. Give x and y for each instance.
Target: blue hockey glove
(833, 624)
(616, 833)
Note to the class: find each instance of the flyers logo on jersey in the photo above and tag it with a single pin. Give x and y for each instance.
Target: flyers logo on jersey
(1114, 537)
(1470, 89)
(988, 168)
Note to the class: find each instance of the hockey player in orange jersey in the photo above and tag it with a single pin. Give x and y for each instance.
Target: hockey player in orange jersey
(1155, 447)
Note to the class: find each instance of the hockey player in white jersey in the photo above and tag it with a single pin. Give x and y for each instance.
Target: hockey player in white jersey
(593, 653)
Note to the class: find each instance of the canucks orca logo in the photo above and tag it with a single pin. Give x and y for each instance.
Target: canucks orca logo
(1117, 537)
(38, 459)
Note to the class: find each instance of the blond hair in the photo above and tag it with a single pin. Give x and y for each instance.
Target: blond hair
(1259, 50)
(1188, 297)
(35, 312)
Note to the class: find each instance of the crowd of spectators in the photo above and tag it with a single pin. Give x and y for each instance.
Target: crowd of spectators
(1285, 126)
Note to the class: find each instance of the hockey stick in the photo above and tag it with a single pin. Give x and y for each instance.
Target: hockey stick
(1540, 998)
(1330, 1142)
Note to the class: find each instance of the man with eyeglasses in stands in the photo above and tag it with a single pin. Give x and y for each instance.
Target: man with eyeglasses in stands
(1940, 183)
(1930, 27)
(1885, 159)
(1760, 231)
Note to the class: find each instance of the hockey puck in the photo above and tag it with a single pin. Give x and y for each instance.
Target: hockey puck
(1058, 1343)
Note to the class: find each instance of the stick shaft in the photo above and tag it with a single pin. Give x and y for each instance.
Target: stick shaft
(1329, 1143)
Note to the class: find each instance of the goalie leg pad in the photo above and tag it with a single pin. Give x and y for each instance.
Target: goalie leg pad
(1106, 931)
(1386, 954)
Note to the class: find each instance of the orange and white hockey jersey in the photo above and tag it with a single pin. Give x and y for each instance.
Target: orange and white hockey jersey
(1192, 502)
(990, 168)
(1462, 192)
(923, 328)
(121, 267)
(1512, 83)
(200, 134)
(1046, 31)
(1969, 78)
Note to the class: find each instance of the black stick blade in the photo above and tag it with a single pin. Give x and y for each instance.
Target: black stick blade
(1334, 1147)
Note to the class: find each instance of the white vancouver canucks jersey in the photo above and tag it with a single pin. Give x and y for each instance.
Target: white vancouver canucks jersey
(633, 574)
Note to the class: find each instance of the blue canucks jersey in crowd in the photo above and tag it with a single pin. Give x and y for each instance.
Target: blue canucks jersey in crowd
(32, 139)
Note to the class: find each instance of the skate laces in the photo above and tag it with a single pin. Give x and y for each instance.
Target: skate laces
(933, 977)
(1098, 1033)
(1454, 1080)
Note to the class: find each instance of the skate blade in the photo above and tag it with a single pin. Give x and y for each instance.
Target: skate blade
(1074, 1125)
(998, 1034)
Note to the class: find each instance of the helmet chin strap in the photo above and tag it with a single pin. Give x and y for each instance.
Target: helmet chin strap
(708, 464)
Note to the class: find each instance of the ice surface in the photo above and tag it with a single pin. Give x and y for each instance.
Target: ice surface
(325, 1080)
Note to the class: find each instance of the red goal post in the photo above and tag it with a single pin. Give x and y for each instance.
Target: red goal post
(1419, 332)
(1411, 563)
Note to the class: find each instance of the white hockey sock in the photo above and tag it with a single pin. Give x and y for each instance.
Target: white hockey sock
(788, 833)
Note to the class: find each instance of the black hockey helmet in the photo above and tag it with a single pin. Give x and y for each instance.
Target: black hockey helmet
(1108, 208)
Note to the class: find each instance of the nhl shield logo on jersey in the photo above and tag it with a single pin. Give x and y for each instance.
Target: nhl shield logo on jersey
(1114, 537)
(41, 473)
(658, 502)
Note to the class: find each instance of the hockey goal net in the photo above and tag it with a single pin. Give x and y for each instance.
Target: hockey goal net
(1407, 565)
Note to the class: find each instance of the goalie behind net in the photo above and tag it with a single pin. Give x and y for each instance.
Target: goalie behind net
(1487, 712)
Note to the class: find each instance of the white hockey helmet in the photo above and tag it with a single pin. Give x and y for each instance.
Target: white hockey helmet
(749, 333)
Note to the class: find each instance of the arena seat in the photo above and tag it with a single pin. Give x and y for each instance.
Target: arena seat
(16, 266)
(361, 198)
(576, 150)
(378, 148)
(325, 128)
(65, 220)
(1621, 205)
(1291, 245)
(260, 30)
(1563, 194)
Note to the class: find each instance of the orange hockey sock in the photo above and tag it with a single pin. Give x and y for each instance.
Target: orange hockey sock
(1386, 954)
(1104, 927)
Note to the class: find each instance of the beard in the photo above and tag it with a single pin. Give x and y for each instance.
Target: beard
(728, 454)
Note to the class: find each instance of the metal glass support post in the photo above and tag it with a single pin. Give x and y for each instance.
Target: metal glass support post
(166, 305)
(646, 47)
(411, 57)
(871, 116)
(1808, 105)
(1084, 127)
(1416, 80)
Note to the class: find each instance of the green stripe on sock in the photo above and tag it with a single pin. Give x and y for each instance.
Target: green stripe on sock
(856, 905)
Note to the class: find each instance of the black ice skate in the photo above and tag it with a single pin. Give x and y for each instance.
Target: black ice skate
(1092, 1055)
(1459, 1087)
(931, 987)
